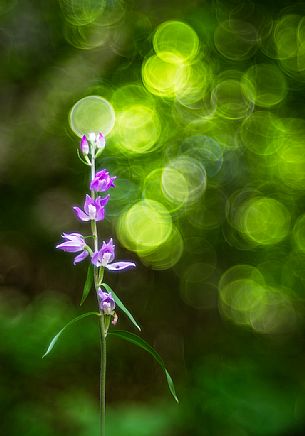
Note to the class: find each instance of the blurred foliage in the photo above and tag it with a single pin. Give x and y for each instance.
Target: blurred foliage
(203, 105)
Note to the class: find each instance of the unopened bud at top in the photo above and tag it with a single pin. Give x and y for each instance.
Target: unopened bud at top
(100, 141)
(96, 139)
(84, 146)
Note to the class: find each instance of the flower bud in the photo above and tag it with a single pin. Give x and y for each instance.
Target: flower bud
(84, 146)
(100, 141)
(106, 302)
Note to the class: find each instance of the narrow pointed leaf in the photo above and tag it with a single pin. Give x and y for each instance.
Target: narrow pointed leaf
(134, 339)
(81, 159)
(121, 305)
(55, 339)
(88, 284)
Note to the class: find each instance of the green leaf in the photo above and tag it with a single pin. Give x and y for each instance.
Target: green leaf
(81, 159)
(88, 284)
(121, 305)
(55, 339)
(134, 339)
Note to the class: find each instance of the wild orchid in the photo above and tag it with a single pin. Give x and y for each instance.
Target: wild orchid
(101, 258)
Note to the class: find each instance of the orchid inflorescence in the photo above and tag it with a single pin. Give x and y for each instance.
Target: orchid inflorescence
(101, 258)
(94, 211)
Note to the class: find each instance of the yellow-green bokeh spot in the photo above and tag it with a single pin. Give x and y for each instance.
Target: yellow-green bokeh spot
(230, 101)
(175, 41)
(291, 156)
(285, 36)
(264, 85)
(240, 298)
(235, 39)
(174, 186)
(265, 309)
(262, 133)
(299, 233)
(81, 12)
(206, 150)
(92, 114)
(163, 78)
(153, 188)
(197, 84)
(85, 37)
(241, 272)
(144, 226)
(130, 95)
(137, 129)
(166, 255)
(184, 179)
(264, 221)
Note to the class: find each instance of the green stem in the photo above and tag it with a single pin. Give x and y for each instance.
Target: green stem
(102, 319)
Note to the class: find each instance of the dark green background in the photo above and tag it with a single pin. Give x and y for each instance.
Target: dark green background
(231, 381)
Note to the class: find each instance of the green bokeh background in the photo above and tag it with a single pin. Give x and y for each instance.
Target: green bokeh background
(209, 151)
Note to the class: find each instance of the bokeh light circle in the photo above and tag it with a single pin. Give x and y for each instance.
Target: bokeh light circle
(174, 185)
(299, 233)
(264, 85)
(285, 36)
(92, 114)
(175, 41)
(137, 129)
(144, 226)
(187, 186)
(264, 221)
(153, 188)
(262, 133)
(238, 272)
(163, 78)
(199, 77)
(235, 39)
(230, 100)
(290, 161)
(206, 150)
(81, 12)
(166, 255)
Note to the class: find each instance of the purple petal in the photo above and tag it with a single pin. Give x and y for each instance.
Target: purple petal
(84, 146)
(103, 201)
(73, 236)
(88, 201)
(80, 214)
(101, 142)
(100, 214)
(94, 185)
(95, 259)
(81, 257)
(69, 247)
(118, 266)
(101, 174)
